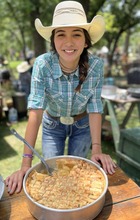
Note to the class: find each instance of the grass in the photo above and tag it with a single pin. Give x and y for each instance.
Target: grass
(11, 148)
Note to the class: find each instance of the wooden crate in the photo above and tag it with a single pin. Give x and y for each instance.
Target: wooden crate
(130, 170)
(129, 153)
(130, 143)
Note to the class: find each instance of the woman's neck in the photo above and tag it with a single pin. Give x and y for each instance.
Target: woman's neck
(67, 68)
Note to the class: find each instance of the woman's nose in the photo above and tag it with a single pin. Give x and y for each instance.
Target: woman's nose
(69, 40)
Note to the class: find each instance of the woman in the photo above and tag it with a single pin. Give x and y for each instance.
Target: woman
(66, 91)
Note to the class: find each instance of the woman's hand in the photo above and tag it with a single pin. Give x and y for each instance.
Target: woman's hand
(105, 161)
(14, 182)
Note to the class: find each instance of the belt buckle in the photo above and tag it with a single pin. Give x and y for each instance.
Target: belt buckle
(67, 120)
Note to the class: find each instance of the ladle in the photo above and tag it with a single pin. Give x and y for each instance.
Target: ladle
(48, 168)
(2, 186)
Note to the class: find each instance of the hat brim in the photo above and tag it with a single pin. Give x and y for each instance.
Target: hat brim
(95, 28)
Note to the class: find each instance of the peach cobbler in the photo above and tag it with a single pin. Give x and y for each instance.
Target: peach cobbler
(74, 184)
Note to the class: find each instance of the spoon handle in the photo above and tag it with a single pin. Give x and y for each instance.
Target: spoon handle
(13, 131)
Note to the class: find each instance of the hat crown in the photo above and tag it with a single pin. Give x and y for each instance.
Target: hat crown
(23, 67)
(69, 12)
(72, 14)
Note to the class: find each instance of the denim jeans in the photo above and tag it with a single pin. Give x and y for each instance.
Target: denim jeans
(54, 135)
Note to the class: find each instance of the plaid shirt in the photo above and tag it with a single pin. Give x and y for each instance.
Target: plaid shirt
(53, 91)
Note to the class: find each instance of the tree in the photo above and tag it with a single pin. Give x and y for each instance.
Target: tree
(17, 22)
(14, 24)
(37, 11)
(121, 16)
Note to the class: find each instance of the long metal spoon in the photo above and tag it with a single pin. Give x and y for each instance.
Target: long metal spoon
(48, 168)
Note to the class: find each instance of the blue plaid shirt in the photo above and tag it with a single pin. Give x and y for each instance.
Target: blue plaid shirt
(53, 91)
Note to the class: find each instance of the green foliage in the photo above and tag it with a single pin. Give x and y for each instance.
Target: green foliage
(13, 68)
(17, 23)
(120, 16)
(95, 8)
(18, 31)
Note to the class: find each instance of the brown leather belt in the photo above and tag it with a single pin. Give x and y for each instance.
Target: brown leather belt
(75, 117)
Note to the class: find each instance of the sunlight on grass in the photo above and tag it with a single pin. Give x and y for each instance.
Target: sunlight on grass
(11, 149)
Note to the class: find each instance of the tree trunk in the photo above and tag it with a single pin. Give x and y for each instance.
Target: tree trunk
(39, 44)
(85, 5)
(38, 41)
(126, 45)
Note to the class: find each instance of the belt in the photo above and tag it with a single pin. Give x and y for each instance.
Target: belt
(70, 119)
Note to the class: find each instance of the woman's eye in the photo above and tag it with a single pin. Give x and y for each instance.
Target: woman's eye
(60, 35)
(77, 35)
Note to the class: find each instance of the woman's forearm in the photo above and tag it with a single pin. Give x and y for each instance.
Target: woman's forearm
(95, 120)
(35, 118)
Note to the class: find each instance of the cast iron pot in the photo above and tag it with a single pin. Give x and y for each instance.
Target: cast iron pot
(88, 212)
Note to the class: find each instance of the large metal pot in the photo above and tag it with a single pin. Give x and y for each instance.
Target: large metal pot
(20, 103)
(88, 212)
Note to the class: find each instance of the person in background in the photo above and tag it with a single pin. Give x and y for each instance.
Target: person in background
(30, 59)
(5, 76)
(6, 90)
(24, 77)
(66, 91)
(3, 61)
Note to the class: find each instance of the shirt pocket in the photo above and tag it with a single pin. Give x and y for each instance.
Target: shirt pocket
(81, 99)
(54, 99)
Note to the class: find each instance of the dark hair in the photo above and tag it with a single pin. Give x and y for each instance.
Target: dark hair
(83, 62)
(5, 74)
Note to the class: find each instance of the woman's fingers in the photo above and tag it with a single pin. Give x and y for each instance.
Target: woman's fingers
(106, 162)
(14, 182)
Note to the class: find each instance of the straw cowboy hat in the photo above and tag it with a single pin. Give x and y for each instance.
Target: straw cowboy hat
(23, 67)
(72, 14)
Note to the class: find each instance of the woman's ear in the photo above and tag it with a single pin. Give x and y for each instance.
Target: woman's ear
(85, 45)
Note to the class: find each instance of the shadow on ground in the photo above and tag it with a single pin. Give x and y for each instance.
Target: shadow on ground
(5, 149)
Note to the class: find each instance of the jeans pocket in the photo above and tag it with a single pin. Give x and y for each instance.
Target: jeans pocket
(82, 123)
(48, 122)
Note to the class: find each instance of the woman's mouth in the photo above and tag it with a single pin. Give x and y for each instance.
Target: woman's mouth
(69, 51)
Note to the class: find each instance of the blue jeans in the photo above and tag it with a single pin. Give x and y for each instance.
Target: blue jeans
(54, 135)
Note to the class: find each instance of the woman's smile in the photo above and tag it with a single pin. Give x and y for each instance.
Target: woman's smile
(70, 52)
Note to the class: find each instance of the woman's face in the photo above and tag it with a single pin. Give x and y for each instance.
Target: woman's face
(69, 43)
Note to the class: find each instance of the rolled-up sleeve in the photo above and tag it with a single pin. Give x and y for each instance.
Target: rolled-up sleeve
(36, 99)
(95, 102)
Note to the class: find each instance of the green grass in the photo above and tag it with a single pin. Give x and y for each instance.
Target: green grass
(11, 148)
